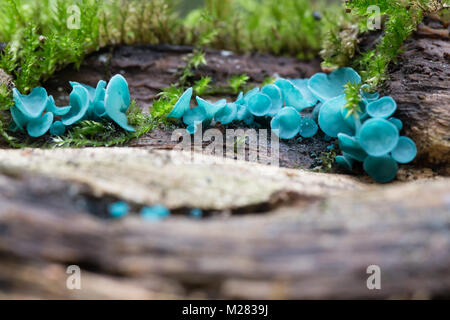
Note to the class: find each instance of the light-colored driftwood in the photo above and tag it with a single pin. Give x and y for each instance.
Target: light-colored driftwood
(318, 245)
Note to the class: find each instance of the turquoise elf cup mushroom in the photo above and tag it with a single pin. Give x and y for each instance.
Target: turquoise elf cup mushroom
(19, 119)
(40, 126)
(243, 114)
(345, 161)
(302, 85)
(227, 114)
(79, 104)
(351, 147)
(118, 209)
(197, 114)
(368, 95)
(259, 104)
(328, 86)
(32, 105)
(117, 101)
(248, 95)
(286, 124)
(57, 111)
(193, 128)
(405, 151)
(210, 108)
(155, 213)
(316, 111)
(382, 169)
(331, 120)
(378, 137)
(182, 105)
(382, 108)
(308, 128)
(57, 128)
(274, 93)
(292, 96)
(396, 122)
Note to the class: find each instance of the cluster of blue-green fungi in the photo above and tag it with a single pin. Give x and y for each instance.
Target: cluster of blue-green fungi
(371, 136)
(158, 212)
(37, 113)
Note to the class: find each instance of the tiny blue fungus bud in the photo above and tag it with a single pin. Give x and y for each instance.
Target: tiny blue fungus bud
(308, 128)
(57, 128)
(155, 213)
(405, 151)
(196, 213)
(118, 209)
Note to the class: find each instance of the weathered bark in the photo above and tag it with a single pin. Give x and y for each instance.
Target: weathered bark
(317, 245)
(420, 83)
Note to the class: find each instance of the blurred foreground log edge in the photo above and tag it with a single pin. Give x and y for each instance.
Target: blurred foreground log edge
(270, 232)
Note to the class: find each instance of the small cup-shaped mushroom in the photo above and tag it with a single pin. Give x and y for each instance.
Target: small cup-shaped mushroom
(316, 111)
(40, 126)
(351, 147)
(19, 118)
(259, 104)
(331, 120)
(197, 114)
(286, 124)
(382, 169)
(396, 122)
(57, 128)
(405, 151)
(227, 114)
(247, 96)
(182, 105)
(328, 86)
(32, 105)
(274, 93)
(155, 213)
(117, 101)
(308, 127)
(57, 111)
(378, 137)
(79, 104)
(211, 108)
(345, 161)
(302, 85)
(119, 209)
(243, 114)
(367, 94)
(292, 96)
(382, 108)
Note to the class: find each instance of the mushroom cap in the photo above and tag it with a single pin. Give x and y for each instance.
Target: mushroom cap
(40, 126)
(330, 117)
(155, 213)
(195, 115)
(32, 105)
(57, 128)
(291, 94)
(351, 147)
(259, 104)
(302, 85)
(345, 161)
(118, 209)
(405, 151)
(227, 114)
(210, 108)
(79, 104)
(367, 95)
(382, 169)
(57, 111)
(328, 86)
(308, 127)
(19, 118)
(274, 93)
(378, 137)
(182, 105)
(286, 124)
(382, 108)
(396, 122)
(117, 101)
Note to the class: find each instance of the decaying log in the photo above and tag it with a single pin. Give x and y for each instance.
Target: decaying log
(317, 245)
(420, 83)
